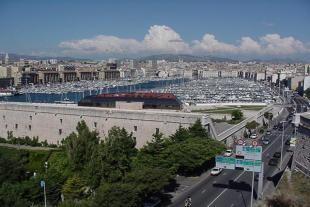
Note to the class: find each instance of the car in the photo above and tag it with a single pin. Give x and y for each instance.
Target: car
(253, 136)
(268, 132)
(216, 171)
(275, 127)
(266, 141)
(273, 162)
(228, 153)
(277, 155)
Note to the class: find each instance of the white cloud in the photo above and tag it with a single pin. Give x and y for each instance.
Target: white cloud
(212, 45)
(102, 44)
(163, 39)
(158, 39)
(275, 45)
(248, 45)
(270, 44)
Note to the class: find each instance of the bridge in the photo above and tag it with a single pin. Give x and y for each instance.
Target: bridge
(236, 128)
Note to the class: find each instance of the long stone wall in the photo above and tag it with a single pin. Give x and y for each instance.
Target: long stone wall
(53, 122)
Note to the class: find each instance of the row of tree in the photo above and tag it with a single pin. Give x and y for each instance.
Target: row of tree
(34, 141)
(89, 171)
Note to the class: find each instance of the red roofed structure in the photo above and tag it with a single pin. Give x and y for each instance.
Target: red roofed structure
(150, 100)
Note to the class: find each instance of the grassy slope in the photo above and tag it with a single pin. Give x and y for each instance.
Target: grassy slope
(228, 110)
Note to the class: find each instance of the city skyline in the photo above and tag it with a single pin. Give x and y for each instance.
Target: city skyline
(130, 29)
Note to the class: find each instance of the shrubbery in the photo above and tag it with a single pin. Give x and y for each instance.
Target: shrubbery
(34, 141)
(109, 172)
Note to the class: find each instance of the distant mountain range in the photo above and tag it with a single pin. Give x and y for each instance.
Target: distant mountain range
(193, 58)
(167, 57)
(17, 57)
(186, 58)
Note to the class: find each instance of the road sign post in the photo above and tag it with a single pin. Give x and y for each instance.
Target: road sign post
(249, 158)
(260, 182)
(252, 191)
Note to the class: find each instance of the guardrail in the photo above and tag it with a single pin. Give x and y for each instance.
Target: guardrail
(223, 135)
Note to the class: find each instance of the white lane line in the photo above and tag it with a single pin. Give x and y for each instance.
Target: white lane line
(225, 189)
(203, 191)
(240, 175)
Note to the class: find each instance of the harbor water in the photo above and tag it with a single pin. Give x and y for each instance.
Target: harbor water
(77, 96)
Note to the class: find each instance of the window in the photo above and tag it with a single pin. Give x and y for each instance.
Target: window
(29, 127)
(60, 121)
(16, 126)
(95, 124)
(135, 128)
(30, 117)
(6, 126)
(157, 130)
(3, 117)
(60, 131)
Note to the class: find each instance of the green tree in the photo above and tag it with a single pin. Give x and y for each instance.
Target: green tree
(197, 130)
(12, 169)
(307, 93)
(190, 155)
(74, 188)
(76, 203)
(156, 145)
(265, 125)
(251, 125)
(81, 146)
(116, 153)
(245, 134)
(237, 114)
(10, 196)
(116, 195)
(156, 179)
(268, 115)
(181, 134)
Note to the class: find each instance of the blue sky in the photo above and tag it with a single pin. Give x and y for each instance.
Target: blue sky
(245, 28)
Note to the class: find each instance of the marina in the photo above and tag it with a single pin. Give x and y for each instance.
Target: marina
(72, 92)
(206, 91)
(221, 90)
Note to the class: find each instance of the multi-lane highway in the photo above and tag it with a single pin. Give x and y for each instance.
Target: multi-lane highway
(233, 187)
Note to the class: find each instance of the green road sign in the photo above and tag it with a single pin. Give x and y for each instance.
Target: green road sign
(249, 165)
(249, 152)
(225, 162)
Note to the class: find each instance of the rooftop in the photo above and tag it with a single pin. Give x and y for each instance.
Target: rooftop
(139, 95)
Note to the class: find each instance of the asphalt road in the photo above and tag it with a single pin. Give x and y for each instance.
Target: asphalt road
(233, 187)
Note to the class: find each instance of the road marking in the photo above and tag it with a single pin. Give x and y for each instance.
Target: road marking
(203, 191)
(240, 175)
(225, 189)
